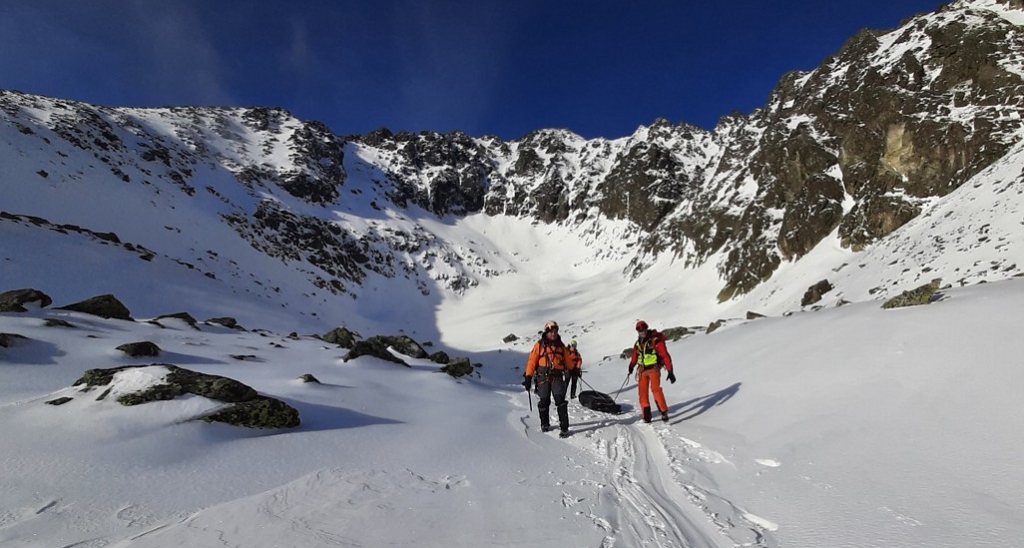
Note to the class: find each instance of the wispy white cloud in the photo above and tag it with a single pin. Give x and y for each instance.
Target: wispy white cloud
(173, 37)
(300, 56)
(112, 52)
(483, 66)
(450, 60)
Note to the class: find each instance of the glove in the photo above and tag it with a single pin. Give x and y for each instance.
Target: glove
(631, 369)
(671, 377)
(576, 373)
(527, 382)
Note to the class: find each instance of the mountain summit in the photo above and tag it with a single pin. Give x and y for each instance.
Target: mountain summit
(857, 159)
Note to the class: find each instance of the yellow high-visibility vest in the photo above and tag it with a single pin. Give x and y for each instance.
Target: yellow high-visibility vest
(647, 356)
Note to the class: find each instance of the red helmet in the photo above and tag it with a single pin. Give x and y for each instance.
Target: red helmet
(641, 325)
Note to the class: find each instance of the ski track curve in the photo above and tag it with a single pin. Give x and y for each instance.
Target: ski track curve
(658, 503)
(650, 509)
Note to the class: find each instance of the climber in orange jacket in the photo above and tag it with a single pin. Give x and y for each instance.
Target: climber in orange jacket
(650, 353)
(575, 369)
(551, 364)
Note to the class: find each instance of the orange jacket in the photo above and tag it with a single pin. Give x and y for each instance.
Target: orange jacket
(577, 360)
(656, 341)
(554, 355)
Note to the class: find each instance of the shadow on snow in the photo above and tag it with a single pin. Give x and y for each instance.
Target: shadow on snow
(698, 406)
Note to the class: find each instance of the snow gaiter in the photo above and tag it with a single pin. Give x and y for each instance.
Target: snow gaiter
(544, 398)
(563, 415)
(545, 420)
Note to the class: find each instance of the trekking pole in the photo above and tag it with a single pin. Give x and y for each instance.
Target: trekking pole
(529, 395)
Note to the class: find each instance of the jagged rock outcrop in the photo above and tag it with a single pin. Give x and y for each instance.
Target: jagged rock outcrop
(852, 150)
(104, 306)
(16, 299)
(183, 316)
(892, 119)
(815, 293)
(442, 173)
(8, 339)
(140, 349)
(247, 407)
(226, 321)
(458, 367)
(379, 346)
(924, 294)
(341, 336)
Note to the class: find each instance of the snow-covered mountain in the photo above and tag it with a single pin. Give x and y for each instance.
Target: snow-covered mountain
(854, 160)
(898, 161)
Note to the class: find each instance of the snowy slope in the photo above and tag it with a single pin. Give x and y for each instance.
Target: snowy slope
(853, 426)
(834, 423)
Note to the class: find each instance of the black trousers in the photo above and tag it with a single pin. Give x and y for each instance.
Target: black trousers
(552, 384)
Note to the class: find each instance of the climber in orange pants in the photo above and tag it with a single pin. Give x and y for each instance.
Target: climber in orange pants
(650, 354)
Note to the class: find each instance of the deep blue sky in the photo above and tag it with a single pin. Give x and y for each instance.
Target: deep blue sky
(504, 67)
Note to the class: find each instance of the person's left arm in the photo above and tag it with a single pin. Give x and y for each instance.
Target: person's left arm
(666, 360)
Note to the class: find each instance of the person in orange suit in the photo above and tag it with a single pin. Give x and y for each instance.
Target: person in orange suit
(650, 354)
(576, 370)
(551, 365)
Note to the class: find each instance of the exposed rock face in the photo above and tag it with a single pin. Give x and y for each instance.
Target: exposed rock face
(458, 167)
(248, 409)
(901, 136)
(16, 299)
(924, 294)
(140, 349)
(440, 357)
(104, 306)
(676, 333)
(888, 121)
(259, 412)
(225, 321)
(183, 316)
(853, 150)
(378, 346)
(179, 381)
(341, 337)
(816, 292)
(458, 367)
(8, 339)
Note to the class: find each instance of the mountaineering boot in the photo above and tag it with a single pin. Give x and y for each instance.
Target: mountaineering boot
(664, 416)
(564, 433)
(545, 427)
(647, 414)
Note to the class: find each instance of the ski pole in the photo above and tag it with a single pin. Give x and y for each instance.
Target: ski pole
(529, 395)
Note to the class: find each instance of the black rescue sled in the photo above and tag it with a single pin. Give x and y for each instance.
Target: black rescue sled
(599, 401)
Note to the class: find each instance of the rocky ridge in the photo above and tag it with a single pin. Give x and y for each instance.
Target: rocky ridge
(852, 150)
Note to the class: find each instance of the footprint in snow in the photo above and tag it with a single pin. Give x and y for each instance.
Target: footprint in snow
(569, 501)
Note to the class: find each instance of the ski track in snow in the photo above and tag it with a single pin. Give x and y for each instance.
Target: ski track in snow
(332, 507)
(648, 470)
(642, 485)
